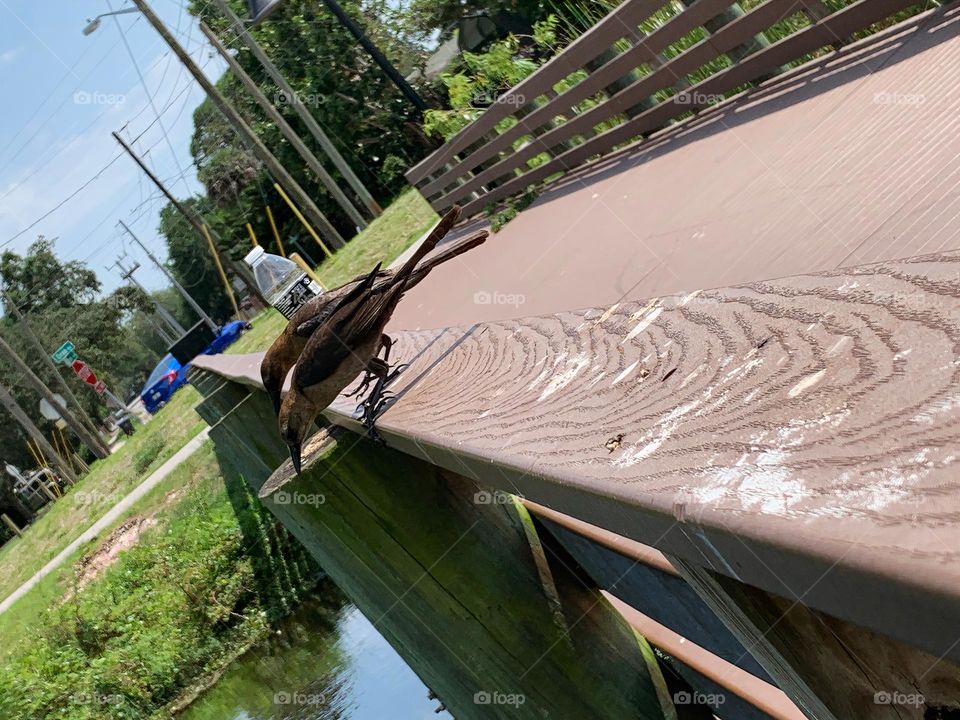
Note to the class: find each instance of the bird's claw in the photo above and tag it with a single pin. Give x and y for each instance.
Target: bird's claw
(362, 387)
(396, 371)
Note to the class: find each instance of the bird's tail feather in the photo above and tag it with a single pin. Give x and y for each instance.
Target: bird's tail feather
(428, 244)
(444, 254)
(373, 313)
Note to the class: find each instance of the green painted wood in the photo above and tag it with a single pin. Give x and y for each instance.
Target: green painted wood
(454, 585)
(246, 437)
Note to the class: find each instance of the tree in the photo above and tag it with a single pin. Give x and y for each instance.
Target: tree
(40, 280)
(61, 301)
(373, 126)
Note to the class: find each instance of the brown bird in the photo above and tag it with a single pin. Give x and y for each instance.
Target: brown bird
(285, 350)
(346, 337)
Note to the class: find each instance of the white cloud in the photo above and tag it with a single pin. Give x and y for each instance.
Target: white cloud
(8, 56)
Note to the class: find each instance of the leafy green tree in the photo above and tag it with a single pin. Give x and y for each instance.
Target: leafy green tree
(373, 126)
(60, 300)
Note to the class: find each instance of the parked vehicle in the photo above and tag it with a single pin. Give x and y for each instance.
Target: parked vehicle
(169, 375)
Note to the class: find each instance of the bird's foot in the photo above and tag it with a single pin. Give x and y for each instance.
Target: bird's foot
(396, 372)
(362, 387)
(373, 406)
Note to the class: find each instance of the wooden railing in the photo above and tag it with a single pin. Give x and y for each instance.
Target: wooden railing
(628, 84)
(788, 446)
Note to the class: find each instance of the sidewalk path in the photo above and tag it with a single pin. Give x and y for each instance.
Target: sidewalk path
(155, 478)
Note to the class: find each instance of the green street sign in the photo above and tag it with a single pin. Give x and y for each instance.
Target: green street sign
(65, 353)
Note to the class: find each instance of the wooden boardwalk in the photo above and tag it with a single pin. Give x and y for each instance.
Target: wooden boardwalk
(848, 161)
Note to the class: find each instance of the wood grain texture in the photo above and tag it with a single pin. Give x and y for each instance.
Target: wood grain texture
(799, 434)
(853, 672)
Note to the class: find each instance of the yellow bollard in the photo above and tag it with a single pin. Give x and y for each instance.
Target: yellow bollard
(307, 269)
(276, 235)
(223, 275)
(302, 219)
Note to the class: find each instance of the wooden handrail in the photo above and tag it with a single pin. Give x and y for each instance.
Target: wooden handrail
(797, 435)
(469, 166)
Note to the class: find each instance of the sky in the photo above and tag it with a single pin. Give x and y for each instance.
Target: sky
(62, 175)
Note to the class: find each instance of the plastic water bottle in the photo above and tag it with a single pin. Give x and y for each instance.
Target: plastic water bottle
(281, 281)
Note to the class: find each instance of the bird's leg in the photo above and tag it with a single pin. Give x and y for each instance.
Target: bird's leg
(364, 384)
(386, 343)
(377, 400)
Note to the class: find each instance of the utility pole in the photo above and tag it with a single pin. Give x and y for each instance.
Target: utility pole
(7, 400)
(91, 440)
(169, 319)
(378, 57)
(43, 355)
(179, 288)
(240, 125)
(288, 132)
(163, 333)
(312, 125)
(238, 269)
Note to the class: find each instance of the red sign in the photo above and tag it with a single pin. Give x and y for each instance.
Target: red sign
(84, 373)
(100, 388)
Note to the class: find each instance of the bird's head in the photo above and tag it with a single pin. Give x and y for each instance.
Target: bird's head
(297, 414)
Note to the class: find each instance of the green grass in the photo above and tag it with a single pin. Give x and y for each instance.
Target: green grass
(385, 239)
(266, 326)
(407, 218)
(208, 580)
(108, 482)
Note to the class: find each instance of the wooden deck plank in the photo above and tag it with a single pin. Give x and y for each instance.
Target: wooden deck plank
(799, 435)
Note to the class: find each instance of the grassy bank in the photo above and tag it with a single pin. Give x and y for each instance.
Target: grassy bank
(108, 482)
(208, 578)
(385, 239)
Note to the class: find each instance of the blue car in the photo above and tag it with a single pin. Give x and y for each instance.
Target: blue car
(167, 377)
(228, 335)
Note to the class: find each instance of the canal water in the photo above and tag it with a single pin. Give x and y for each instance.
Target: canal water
(327, 662)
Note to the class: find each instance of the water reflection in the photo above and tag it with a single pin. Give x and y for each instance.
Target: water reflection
(327, 663)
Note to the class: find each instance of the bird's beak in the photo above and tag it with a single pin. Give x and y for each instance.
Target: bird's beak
(295, 456)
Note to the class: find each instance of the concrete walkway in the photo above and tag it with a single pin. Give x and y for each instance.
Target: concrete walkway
(117, 511)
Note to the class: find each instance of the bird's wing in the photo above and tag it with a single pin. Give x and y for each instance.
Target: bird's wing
(333, 341)
(334, 299)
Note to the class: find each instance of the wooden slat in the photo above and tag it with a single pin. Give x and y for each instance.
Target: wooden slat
(798, 435)
(644, 52)
(618, 24)
(768, 698)
(840, 24)
(726, 38)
